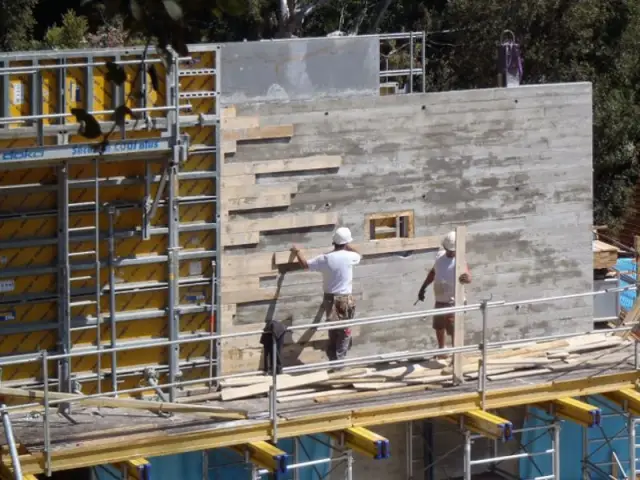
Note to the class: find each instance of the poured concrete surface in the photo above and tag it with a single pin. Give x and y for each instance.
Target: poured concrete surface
(514, 165)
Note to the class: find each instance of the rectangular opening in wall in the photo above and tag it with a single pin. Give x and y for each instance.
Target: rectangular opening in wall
(390, 225)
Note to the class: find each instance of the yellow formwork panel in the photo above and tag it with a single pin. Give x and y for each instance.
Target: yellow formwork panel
(75, 87)
(27, 256)
(19, 93)
(49, 93)
(43, 225)
(200, 83)
(102, 90)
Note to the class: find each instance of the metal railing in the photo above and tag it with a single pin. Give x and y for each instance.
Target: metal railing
(485, 306)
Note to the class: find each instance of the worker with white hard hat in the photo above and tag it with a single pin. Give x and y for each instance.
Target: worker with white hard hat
(337, 274)
(442, 275)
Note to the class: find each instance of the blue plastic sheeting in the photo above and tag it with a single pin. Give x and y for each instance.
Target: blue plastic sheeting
(600, 446)
(627, 297)
(225, 464)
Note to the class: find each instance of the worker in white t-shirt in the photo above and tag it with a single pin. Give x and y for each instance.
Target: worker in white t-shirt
(442, 275)
(337, 278)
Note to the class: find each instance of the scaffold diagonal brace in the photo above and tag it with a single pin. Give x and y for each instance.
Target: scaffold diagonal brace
(364, 441)
(267, 456)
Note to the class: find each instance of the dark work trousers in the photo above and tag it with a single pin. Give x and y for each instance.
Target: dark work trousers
(272, 329)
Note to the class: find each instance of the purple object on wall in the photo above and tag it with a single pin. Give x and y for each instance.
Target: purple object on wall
(510, 67)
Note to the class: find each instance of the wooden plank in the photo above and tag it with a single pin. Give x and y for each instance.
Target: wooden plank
(238, 180)
(258, 189)
(360, 395)
(297, 391)
(373, 247)
(377, 385)
(229, 112)
(260, 133)
(458, 330)
(229, 147)
(126, 403)
(306, 396)
(258, 202)
(518, 361)
(519, 374)
(248, 296)
(244, 381)
(236, 239)
(239, 123)
(300, 164)
(284, 384)
(244, 282)
(282, 222)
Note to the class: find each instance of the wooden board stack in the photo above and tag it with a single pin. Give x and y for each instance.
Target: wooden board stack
(603, 350)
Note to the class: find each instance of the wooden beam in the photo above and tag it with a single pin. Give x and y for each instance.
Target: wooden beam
(301, 164)
(282, 222)
(239, 123)
(259, 133)
(284, 383)
(259, 202)
(458, 328)
(257, 190)
(38, 395)
(373, 247)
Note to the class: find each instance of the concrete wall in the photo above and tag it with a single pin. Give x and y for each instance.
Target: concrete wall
(514, 165)
(296, 69)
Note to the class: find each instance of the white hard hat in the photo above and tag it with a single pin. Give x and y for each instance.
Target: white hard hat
(342, 236)
(449, 242)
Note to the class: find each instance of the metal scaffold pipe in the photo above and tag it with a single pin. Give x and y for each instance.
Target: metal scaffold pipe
(11, 443)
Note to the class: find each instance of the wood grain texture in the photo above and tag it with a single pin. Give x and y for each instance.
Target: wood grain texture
(281, 222)
(259, 202)
(458, 330)
(301, 164)
(372, 247)
(258, 133)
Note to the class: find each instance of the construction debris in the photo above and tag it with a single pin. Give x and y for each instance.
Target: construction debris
(528, 360)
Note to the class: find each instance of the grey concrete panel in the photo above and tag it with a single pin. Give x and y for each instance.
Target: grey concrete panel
(514, 165)
(299, 69)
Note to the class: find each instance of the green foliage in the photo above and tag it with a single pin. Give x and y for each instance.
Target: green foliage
(562, 41)
(71, 34)
(16, 24)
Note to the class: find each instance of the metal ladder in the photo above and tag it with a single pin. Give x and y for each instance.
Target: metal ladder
(73, 300)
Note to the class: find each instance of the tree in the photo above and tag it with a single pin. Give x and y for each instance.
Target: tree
(71, 33)
(16, 24)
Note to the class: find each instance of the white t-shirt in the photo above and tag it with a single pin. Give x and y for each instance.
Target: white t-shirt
(444, 283)
(337, 270)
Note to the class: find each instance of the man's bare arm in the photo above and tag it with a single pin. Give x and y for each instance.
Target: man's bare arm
(303, 261)
(427, 281)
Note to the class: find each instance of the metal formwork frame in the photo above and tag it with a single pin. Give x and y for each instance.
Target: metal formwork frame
(65, 296)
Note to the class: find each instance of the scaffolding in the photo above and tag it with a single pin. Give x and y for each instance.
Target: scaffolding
(39, 89)
(87, 281)
(394, 47)
(470, 413)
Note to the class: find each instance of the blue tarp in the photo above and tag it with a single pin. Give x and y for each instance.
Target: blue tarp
(225, 464)
(627, 297)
